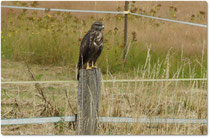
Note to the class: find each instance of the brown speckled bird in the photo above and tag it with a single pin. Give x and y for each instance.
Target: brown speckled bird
(91, 47)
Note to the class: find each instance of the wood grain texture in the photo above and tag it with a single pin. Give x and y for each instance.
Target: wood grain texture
(88, 101)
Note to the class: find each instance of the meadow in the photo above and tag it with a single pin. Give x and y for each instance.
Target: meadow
(49, 42)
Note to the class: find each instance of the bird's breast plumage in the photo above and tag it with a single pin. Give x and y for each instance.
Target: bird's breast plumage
(98, 41)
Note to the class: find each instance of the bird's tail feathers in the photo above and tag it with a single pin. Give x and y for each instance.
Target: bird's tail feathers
(79, 67)
(78, 76)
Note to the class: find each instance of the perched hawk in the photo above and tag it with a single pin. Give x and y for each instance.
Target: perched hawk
(91, 47)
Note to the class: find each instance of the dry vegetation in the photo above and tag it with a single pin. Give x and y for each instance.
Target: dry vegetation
(49, 41)
(145, 99)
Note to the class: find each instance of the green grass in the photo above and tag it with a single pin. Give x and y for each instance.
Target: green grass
(54, 39)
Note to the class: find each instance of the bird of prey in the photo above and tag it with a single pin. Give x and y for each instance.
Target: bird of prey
(91, 47)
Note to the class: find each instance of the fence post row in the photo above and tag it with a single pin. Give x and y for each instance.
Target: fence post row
(88, 101)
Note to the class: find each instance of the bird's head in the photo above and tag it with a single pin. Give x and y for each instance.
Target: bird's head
(97, 26)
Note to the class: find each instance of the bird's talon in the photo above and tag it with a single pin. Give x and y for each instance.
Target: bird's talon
(94, 67)
(88, 68)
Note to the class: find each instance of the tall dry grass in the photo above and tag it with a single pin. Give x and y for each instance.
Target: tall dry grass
(148, 99)
(164, 100)
(137, 99)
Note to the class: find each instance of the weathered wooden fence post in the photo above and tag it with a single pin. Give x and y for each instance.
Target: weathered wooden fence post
(125, 31)
(88, 101)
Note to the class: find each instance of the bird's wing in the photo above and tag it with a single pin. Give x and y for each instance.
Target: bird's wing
(86, 43)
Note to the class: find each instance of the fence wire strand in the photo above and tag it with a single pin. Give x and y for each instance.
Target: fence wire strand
(106, 81)
(62, 10)
(105, 12)
(41, 120)
(169, 20)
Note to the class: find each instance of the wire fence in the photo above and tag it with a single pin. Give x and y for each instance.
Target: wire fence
(42, 120)
(107, 81)
(169, 20)
(104, 119)
(104, 12)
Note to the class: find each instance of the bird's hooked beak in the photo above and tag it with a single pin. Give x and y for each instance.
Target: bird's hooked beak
(102, 27)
